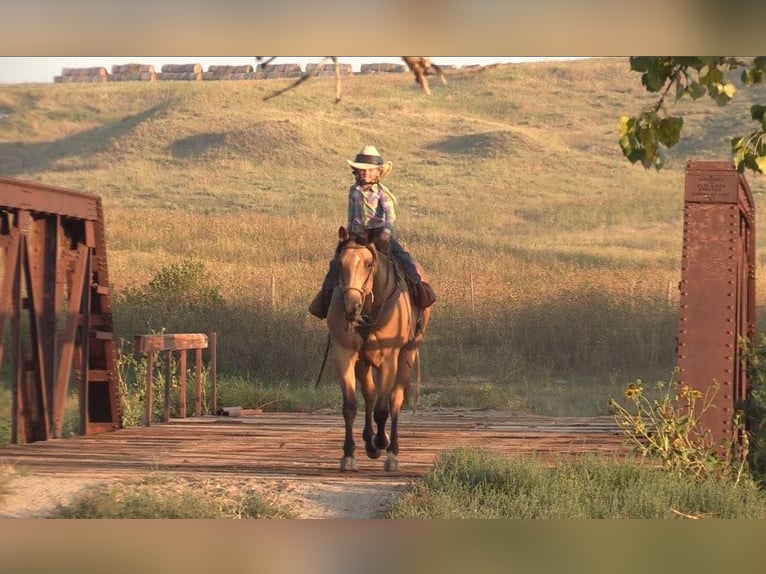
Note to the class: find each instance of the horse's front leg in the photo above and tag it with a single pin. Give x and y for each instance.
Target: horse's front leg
(364, 376)
(398, 396)
(385, 382)
(344, 364)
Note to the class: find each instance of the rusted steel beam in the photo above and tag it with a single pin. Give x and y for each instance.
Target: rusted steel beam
(717, 299)
(41, 198)
(33, 388)
(54, 248)
(9, 281)
(68, 338)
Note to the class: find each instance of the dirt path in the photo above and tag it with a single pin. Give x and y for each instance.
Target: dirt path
(291, 459)
(36, 496)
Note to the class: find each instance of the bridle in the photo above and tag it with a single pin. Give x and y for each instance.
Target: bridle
(366, 288)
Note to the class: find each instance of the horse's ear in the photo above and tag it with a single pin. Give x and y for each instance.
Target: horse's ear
(342, 233)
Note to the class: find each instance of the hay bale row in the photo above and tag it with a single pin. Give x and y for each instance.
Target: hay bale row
(276, 74)
(182, 69)
(227, 76)
(323, 69)
(387, 68)
(180, 76)
(283, 68)
(132, 69)
(70, 79)
(68, 75)
(248, 69)
(80, 72)
(250, 75)
(133, 77)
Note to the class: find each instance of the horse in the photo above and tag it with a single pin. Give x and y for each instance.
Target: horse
(375, 334)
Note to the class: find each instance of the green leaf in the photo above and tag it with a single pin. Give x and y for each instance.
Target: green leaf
(757, 113)
(722, 93)
(657, 73)
(760, 162)
(669, 131)
(639, 63)
(696, 90)
(738, 151)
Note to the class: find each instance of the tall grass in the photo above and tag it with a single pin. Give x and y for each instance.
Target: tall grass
(555, 261)
(470, 483)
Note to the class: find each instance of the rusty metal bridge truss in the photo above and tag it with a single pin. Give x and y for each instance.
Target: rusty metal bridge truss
(55, 296)
(717, 286)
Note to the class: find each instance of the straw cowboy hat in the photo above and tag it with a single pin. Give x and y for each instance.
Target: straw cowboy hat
(369, 158)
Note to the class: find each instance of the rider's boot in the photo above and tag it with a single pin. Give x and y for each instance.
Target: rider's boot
(321, 303)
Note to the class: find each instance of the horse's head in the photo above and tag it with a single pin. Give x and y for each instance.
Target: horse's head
(358, 261)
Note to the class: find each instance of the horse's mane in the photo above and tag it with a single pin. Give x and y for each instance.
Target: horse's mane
(357, 238)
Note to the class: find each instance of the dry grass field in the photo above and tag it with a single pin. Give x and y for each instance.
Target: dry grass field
(555, 260)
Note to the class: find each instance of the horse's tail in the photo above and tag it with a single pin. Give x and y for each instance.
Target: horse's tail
(417, 382)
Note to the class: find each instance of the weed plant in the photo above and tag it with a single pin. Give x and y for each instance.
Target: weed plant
(668, 428)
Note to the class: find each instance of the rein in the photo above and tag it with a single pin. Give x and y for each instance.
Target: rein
(366, 325)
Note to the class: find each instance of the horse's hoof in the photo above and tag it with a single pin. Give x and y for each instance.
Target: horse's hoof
(371, 450)
(383, 445)
(348, 464)
(392, 463)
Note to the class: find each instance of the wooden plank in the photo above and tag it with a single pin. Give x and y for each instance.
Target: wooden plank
(307, 445)
(172, 342)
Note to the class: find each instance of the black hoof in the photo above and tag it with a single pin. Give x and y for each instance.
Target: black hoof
(382, 444)
(371, 451)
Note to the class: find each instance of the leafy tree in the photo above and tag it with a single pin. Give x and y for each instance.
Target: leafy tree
(645, 137)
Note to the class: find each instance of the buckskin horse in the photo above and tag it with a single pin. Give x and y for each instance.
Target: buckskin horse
(375, 337)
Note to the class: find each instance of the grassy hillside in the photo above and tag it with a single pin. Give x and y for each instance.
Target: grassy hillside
(555, 260)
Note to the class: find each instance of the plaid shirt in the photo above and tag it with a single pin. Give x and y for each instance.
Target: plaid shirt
(370, 209)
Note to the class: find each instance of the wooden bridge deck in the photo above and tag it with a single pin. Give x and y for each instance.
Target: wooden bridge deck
(305, 445)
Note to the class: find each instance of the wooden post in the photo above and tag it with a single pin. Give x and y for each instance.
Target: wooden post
(198, 395)
(149, 385)
(213, 375)
(168, 381)
(182, 376)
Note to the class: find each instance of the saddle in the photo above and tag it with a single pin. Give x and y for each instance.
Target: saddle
(421, 294)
